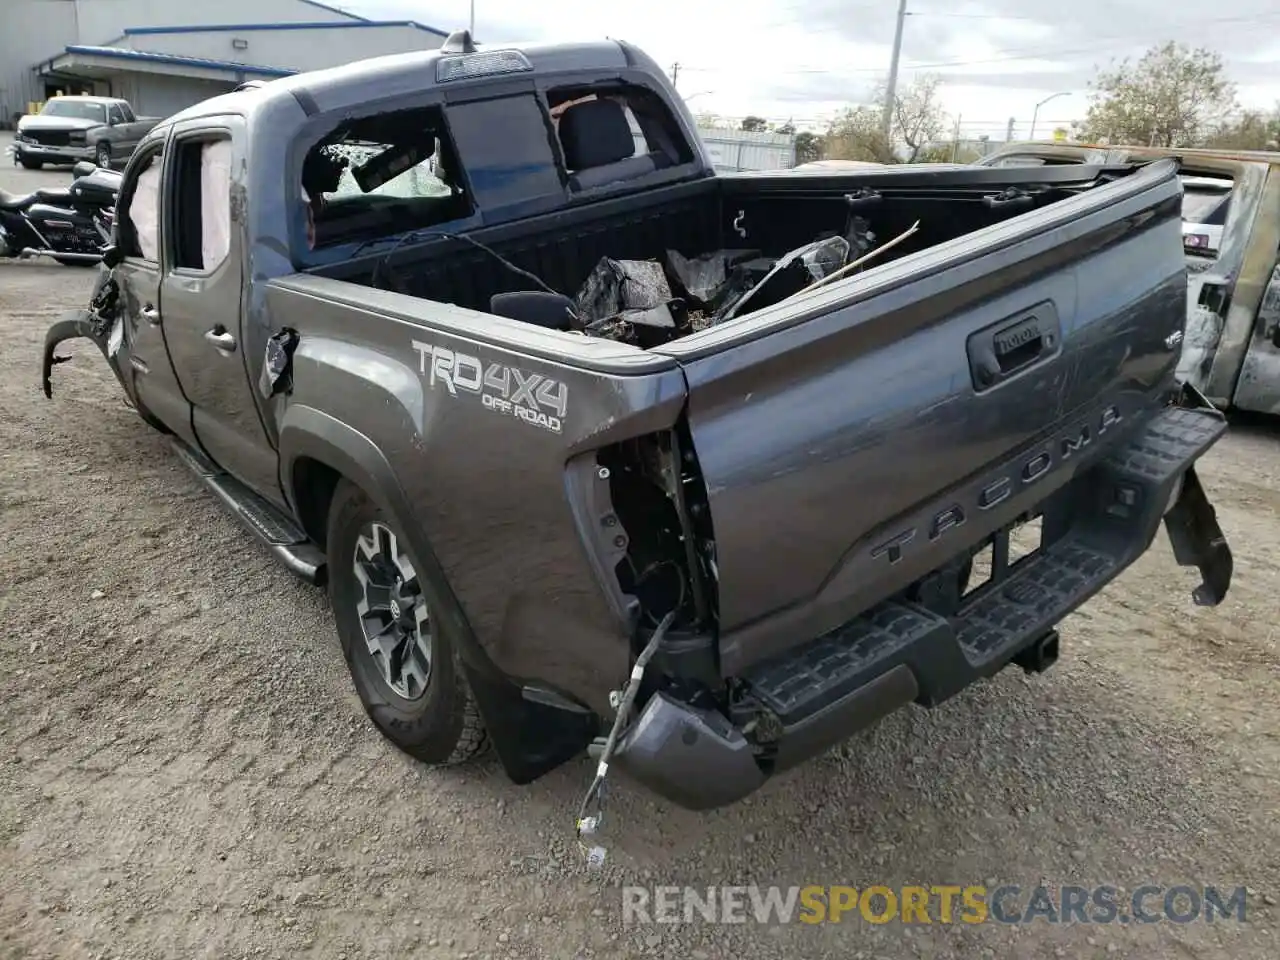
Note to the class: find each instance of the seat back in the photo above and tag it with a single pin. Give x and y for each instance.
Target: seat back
(598, 145)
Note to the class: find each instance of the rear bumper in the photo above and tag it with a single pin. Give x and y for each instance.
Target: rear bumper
(899, 652)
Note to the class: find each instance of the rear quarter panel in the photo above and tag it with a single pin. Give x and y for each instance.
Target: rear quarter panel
(486, 488)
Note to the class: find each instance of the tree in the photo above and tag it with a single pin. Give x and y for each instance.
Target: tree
(855, 134)
(918, 119)
(1172, 97)
(808, 147)
(754, 124)
(1252, 130)
(787, 128)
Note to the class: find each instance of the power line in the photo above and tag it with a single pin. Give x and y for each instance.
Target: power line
(977, 16)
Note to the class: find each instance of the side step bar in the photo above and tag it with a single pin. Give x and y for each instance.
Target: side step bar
(278, 532)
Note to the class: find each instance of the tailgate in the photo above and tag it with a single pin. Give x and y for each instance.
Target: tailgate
(857, 438)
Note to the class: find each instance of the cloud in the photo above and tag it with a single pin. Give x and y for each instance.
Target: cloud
(807, 58)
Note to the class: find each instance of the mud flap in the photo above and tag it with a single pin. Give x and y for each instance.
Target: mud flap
(1197, 539)
(1192, 523)
(80, 323)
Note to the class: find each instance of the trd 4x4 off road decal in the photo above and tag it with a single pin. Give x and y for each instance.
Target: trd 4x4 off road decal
(527, 396)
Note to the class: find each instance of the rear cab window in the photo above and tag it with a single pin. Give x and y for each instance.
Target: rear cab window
(612, 132)
(483, 157)
(381, 174)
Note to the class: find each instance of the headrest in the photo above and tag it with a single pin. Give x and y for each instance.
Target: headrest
(595, 133)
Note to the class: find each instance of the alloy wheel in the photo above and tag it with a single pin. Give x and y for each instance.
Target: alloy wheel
(393, 611)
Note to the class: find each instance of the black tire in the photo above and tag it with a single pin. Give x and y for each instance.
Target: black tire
(31, 164)
(441, 726)
(102, 155)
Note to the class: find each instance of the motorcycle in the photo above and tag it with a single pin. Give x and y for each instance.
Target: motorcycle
(71, 225)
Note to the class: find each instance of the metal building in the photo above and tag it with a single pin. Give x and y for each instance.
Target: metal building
(164, 55)
(736, 150)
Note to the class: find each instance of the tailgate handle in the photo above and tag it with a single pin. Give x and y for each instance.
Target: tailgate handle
(1005, 349)
(1019, 344)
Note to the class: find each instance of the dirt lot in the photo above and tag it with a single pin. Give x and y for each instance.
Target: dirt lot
(185, 770)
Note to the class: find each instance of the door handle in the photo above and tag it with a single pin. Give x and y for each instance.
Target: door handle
(219, 337)
(150, 314)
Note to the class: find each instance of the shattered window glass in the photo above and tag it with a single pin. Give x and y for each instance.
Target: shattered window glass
(419, 180)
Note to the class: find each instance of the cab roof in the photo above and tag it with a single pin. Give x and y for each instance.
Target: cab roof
(400, 74)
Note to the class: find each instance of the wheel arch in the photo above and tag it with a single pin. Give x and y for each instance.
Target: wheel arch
(316, 452)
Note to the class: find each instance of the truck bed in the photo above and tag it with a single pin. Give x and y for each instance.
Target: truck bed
(771, 216)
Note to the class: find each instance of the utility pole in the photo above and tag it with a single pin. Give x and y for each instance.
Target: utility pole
(1008, 131)
(1035, 114)
(675, 75)
(955, 143)
(472, 29)
(891, 91)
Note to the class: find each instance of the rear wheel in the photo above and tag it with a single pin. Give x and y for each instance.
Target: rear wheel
(405, 668)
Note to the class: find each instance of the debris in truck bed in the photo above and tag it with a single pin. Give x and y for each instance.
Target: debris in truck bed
(860, 236)
(703, 280)
(853, 265)
(632, 300)
(645, 328)
(618, 285)
(791, 274)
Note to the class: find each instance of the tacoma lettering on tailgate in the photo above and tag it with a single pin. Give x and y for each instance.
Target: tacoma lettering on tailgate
(527, 396)
(1013, 479)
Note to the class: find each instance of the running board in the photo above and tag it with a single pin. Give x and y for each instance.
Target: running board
(278, 532)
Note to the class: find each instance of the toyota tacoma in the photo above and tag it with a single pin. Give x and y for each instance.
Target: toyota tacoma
(599, 452)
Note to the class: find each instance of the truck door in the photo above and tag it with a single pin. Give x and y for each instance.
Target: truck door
(1258, 388)
(139, 236)
(200, 298)
(1225, 288)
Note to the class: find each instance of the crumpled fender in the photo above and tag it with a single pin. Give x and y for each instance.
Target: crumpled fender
(78, 323)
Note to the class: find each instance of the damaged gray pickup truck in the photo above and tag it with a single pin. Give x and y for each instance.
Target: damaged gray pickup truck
(599, 452)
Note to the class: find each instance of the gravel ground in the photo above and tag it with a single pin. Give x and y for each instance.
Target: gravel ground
(185, 770)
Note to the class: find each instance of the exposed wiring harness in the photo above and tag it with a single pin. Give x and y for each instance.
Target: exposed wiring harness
(586, 825)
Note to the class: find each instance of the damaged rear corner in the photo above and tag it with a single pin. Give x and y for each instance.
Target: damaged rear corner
(651, 542)
(647, 526)
(101, 323)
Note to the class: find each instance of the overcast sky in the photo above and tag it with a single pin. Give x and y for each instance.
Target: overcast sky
(804, 59)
